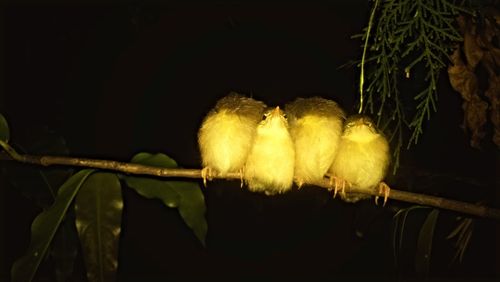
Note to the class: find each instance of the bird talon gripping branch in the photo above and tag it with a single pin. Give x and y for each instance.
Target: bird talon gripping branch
(384, 189)
(337, 183)
(206, 173)
(241, 173)
(299, 182)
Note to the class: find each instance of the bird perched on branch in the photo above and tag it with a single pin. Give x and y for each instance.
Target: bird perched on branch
(362, 159)
(315, 126)
(227, 134)
(269, 167)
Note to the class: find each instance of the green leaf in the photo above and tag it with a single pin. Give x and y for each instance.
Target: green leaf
(186, 196)
(158, 160)
(64, 249)
(399, 228)
(424, 244)
(37, 184)
(40, 184)
(4, 129)
(45, 226)
(463, 234)
(155, 189)
(192, 207)
(98, 208)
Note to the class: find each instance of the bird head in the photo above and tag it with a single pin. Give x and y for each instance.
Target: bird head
(360, 128)
(274, 116)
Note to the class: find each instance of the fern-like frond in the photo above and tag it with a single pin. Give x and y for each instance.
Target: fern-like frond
(406, 34)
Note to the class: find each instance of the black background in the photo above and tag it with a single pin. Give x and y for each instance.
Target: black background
(116, 80)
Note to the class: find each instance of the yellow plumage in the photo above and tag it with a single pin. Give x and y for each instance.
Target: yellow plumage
(227, 132)
(315, 127)
(269, 167)
(362, 157)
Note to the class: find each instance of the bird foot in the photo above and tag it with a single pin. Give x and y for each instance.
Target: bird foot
(383, 188)
(206, 173)
(338, 184)
(240, 172)
(299, 182)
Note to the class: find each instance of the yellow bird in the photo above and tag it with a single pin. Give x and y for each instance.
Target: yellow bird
(269, 167)
(315, 126)
(227, 133)
(362, 159)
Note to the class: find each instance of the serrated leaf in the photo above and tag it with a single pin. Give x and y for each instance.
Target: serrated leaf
(45, 226)
(186, 196)
(4, 129)
(98, 210)
(424, 243)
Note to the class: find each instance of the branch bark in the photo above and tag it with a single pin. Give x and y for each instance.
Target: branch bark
(131, 168)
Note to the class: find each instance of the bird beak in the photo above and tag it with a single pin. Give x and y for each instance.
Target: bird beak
(359, 122)
(276, 111)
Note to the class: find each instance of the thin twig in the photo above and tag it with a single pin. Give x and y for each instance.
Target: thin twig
(131, 168)
(363, 58)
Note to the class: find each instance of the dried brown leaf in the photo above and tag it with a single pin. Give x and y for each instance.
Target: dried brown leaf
(491, 62)
(475, 118)
(462, 79)
(493, 94)
(495, 55)
(462, 23)
(472, 44)
(478, 48)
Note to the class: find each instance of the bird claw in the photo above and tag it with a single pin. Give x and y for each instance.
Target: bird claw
(336, 182)
(240, 172)
(206, 173)
(383, 188)
(299, 183)
(344, 183)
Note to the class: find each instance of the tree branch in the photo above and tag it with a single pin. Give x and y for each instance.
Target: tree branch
(130, 168)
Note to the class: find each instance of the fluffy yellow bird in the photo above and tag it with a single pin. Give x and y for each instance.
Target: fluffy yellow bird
(362, 159)
(227, 133)
(269, 167)
(315, 126)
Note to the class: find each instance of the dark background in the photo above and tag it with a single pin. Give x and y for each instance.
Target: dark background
(116, 80)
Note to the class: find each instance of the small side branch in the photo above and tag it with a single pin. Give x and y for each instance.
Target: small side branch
(130, 168)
